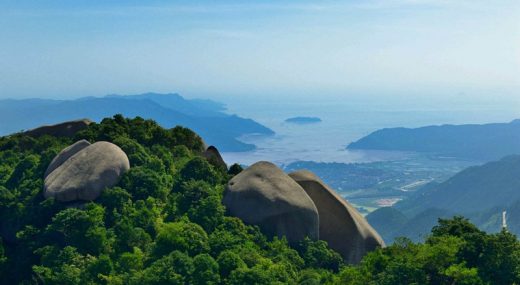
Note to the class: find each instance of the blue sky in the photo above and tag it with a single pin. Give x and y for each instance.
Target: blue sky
(57, 49)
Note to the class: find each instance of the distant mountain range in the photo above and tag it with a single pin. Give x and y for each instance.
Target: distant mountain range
(485, 142)
(206, 117)
(480, 193)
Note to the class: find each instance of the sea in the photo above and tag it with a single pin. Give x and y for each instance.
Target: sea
(345, 121)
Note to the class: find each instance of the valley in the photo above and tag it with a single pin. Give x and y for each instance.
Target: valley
(372, 185)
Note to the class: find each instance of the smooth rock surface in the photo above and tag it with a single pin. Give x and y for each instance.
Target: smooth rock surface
(264, 195)
(341, 225)
(65, 154)
(84, 175)
(65, 129)
(213, 156)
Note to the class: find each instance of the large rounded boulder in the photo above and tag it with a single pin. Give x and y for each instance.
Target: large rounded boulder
(64, 155)
(264, 195)
(341, 225)
(82, 172)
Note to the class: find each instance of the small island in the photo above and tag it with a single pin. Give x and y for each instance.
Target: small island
(303, 120)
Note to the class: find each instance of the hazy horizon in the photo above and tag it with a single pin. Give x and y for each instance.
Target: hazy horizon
(405, 50)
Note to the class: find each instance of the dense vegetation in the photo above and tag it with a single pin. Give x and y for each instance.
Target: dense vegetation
(164, 223)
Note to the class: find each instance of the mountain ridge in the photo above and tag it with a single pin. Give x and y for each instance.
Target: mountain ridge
(475, 141)
(204, 116)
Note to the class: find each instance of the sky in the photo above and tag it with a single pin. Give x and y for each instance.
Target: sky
(298, 49)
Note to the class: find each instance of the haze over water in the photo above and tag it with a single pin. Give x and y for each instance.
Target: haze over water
(344, 122)
(277, 50)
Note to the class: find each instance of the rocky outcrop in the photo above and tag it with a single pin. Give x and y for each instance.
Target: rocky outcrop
(64, 155)
(341, 225)
(264, 195)
(65, 129)
(214, 157)
(86, 172)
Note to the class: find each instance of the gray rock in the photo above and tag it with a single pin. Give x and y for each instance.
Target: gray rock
(341, 225)
(213, 156)
(65, 129)
(65, 154)
(84, 175)
(264, 195)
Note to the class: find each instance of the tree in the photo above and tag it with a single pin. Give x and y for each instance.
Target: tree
(253, 276)
(141, 182)
(318, 254)
(184, 136)
(205, 271)
(83, 229)
(199, 168)
(61, 266)
(501, 259)
(175, 268)
(3, 258)
(131, 261)
(136, 153)
(182, 236)
(23, 171)
(202, 203)
(235, 169)
(229, 261)
(114, 198)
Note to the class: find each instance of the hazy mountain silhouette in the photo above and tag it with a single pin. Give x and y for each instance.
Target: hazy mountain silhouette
(486, 142)
(203, 116)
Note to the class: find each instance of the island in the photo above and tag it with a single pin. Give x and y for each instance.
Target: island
(303, 120)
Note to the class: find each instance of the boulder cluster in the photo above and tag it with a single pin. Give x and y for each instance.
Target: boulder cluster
(299, 205)
(264, 195)
(295, 206)
(83, 170)
(341, 225)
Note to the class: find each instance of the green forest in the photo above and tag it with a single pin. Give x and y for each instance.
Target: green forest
(164, 223)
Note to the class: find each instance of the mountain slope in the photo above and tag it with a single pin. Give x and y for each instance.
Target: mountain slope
(487, 142)
(205, 117)
(474, 189)
(479, 193)
(386, 221)
(163, 222)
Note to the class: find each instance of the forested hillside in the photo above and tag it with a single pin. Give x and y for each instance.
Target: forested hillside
(484, 142)
(164, 223)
